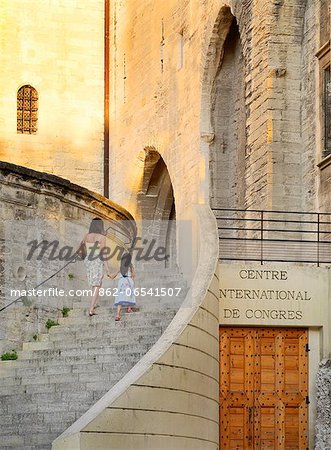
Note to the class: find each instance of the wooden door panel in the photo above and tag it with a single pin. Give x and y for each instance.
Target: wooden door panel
(292, 437)
(266, 430)
(263, 388)
(236, 389)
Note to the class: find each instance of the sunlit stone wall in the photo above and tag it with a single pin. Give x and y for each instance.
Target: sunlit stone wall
(57, 47)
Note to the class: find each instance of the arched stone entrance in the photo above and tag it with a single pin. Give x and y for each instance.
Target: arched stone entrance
(156, 205)
(224, 96)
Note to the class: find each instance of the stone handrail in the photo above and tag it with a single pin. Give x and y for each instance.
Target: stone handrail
(55, 186)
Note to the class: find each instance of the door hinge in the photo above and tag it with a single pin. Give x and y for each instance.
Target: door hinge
(307, 348)
(307, 400)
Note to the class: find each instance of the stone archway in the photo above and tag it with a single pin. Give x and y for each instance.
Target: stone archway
(156, 205)
(228, 120)
(223, 99)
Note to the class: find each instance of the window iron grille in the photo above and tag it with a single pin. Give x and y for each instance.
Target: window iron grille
(27, 110)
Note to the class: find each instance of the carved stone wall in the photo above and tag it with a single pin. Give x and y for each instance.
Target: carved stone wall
(323, 420)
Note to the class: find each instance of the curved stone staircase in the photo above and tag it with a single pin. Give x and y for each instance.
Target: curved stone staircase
(59, 377)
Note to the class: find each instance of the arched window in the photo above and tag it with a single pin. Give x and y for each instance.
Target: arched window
(27, 110)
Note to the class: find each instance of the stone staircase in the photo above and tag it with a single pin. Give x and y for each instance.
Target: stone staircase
(60, 376)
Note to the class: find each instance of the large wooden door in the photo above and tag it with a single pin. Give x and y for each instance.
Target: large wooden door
(263, 388)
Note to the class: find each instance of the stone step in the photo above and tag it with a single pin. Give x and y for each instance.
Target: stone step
(35, 345)
(45, 374)
(56, 341)
(108, 319)
(62, 355)
(110, 309)
(43, 354)
(108, 337)
(52, 375)
(106, 323)
(152, 280)
(105, 310)
(140, 299)
(155, 269)
(109, 306)
(69, 360)
(167, 293)
(145, 274)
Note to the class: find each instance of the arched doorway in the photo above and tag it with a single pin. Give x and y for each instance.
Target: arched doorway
(156, 206)
(226, 81)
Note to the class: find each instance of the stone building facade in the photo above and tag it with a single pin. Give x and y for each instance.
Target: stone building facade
(268, 85)
(220, 104)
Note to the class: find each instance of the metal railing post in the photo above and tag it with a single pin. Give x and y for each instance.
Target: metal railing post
(318, 239)
(262, 218)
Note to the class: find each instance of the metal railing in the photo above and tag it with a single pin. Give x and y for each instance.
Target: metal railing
(274, 236)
